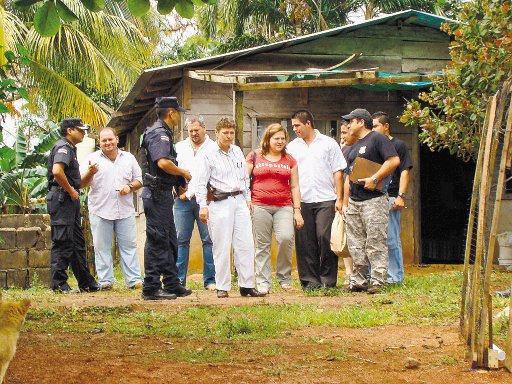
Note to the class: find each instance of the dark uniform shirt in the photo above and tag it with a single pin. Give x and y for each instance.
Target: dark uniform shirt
(405, 163)
(64, 152)
(158, 140)
(375, 147)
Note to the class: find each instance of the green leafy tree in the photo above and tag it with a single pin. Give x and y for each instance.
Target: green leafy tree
(99, 55)
(452, 112)
(51, 14)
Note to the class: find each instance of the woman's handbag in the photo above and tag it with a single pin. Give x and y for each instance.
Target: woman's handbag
(338, 235)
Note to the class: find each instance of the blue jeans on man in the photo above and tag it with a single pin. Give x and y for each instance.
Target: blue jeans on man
(185, 214)
(126, 234)
(396, 263)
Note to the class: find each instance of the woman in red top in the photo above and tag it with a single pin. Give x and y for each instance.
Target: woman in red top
(276, 206)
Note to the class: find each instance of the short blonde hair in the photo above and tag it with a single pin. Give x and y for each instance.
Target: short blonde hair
(225, 123)
(271, 130)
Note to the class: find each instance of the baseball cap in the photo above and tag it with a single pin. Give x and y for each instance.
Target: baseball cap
(358, 113)
(168, 102)
(73, 123)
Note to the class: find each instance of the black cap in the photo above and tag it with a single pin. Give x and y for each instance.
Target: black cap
(358, 113)
(73, 122)
(168, 102)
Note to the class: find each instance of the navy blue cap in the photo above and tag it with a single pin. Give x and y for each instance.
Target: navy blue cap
(358, 113)
(168, 102)
(73, 122)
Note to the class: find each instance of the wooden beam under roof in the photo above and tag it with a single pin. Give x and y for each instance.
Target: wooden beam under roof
(214, 73)
(364, 79)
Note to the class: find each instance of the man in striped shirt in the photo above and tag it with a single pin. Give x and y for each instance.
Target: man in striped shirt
(228, 217)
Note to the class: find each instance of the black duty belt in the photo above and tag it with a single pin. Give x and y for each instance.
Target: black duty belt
(219, 196)
(57, 188)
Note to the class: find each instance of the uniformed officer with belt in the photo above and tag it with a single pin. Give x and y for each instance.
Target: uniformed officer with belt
(64, 180)
(160, 176)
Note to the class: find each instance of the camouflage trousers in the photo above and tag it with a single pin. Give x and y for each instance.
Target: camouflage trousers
(367, 233)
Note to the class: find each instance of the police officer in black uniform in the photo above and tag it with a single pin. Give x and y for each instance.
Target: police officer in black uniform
(159, 161)
(68, 242)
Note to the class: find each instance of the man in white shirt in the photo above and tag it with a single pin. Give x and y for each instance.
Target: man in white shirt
(227, 214)
(111, 210)
(186, 210)
(321, 166)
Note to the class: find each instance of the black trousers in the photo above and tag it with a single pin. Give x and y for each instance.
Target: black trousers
(161, 247)
(68, 242)
(316, 263)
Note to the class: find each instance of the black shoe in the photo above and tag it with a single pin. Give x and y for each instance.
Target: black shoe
(159, 295)
(95, 287)
(355, 288)
(179, 291)
(222, 294)
(251, 292)
(65, 289)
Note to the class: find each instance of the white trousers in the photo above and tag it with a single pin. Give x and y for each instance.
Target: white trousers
(229, 224)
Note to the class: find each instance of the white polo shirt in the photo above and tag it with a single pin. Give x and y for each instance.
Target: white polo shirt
(189, 159)
(317, 163)
(103, 199)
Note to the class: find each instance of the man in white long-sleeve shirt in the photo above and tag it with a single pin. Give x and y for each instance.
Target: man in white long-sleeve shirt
(227, 215)
(186, 210)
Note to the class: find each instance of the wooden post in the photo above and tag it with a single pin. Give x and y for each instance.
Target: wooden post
(477, 347)
(508, 346)
(416, 195)
(238, 116)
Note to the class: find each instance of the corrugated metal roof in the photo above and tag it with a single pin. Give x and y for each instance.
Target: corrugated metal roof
(139, 100)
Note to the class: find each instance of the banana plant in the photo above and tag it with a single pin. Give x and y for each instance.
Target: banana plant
(23, 182)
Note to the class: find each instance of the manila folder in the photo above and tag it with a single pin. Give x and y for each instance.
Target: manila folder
(364, 168)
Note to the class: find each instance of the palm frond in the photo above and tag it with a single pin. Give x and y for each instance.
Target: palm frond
(64, 99)
(12, 32)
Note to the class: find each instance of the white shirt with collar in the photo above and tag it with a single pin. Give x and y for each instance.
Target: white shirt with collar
(190, 159)
(317, 163)
(226, 172)
(103, 199)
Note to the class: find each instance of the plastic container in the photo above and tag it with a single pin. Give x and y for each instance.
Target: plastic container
(505, 243)
(501, 352)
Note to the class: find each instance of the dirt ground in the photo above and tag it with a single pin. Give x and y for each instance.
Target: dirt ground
(310, 355)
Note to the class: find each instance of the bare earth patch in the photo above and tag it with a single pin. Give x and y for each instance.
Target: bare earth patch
(309, 355)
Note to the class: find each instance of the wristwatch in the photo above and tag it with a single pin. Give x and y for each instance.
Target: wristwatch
(374, 179)
(402, 195)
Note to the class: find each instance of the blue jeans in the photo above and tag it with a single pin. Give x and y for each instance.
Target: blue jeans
(185, 214)
(126, 234)
(396, 263)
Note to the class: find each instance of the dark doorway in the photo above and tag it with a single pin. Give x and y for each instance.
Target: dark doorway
(446, 187)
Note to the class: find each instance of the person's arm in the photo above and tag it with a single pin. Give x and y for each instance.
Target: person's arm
(169, 167)
(399, 202)
(346, 191)
(87, 176)
(126, 189)
(62, 180)
(298, 221)
(338, 182)
(384, 171)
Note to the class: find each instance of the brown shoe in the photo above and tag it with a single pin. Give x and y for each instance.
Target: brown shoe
(375, 288)
(222, 294)
(251, 292)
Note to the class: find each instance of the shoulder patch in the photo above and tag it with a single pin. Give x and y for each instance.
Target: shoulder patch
(62, 150)
(164, 138)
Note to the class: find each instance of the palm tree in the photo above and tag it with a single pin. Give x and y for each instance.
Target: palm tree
(100, 53)
(373, 8)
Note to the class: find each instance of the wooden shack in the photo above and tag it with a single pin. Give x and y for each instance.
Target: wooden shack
(375, 64)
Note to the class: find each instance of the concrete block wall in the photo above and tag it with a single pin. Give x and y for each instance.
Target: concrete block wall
(25, 243)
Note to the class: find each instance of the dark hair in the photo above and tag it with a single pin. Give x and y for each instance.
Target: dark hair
(383, 118)
(224, 123)
(344, 122)
(162, 112)
(304, 116)
(64, 131)
(271, 130)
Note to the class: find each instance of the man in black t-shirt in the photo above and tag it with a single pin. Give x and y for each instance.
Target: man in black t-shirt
(396, 191)
(367, 211)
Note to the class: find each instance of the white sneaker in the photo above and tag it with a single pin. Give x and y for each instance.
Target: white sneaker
(211, 287)
(286, 286)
